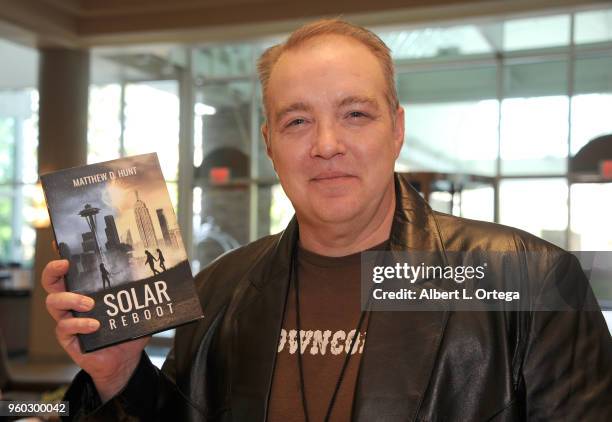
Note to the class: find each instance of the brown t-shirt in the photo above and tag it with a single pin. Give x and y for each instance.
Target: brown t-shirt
(329, 314)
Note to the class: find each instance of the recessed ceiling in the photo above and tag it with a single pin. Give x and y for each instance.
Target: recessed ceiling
(89, 23)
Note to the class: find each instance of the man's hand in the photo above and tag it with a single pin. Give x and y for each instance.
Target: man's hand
(110, 368)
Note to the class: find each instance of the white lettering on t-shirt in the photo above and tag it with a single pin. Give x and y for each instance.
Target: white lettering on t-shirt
(320, 342)
(316, 342)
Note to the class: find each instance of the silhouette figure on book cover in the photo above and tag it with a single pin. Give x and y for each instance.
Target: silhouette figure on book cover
(105, 276)
(161, 259)
(151, 262)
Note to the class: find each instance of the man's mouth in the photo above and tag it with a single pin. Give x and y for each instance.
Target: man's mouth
(330, 175)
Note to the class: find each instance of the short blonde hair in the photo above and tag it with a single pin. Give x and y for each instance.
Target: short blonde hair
(331, 27)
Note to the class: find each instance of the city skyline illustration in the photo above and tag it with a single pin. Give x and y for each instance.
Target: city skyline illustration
(106, 227)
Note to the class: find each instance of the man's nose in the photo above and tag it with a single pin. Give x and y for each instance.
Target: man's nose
(328, 141)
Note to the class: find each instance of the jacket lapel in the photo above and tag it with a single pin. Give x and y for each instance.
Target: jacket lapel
(401, 347)
(256, 324)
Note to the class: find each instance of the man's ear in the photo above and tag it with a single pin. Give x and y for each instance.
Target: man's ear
(398, 130)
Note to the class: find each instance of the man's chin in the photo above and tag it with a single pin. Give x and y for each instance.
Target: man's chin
(337, 211)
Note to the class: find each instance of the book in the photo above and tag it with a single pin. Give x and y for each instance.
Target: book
(115, 223)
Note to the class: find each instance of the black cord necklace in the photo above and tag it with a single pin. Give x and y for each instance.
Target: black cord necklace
(332, 401)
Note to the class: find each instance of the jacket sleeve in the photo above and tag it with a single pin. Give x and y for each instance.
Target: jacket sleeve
(150, 395)
(567, 370)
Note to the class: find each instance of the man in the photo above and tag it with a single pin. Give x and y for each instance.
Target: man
(284, 338)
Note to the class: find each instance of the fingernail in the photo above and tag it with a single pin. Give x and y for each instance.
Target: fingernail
(87, 302)
(93, 324)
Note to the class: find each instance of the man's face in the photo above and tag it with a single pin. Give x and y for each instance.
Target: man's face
(330, 133)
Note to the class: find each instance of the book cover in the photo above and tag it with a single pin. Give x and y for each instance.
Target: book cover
(115, 223)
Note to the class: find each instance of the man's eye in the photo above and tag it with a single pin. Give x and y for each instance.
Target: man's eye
(296, 122)
(356, 114)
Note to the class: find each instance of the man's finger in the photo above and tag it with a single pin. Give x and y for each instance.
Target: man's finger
(59, 304)
(57, 314)
(52, 277)
(67, 328)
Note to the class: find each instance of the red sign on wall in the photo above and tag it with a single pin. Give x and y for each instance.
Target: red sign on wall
(605, 169)
(219, 175)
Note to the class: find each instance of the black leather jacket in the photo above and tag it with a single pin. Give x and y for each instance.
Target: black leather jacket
(416, 366)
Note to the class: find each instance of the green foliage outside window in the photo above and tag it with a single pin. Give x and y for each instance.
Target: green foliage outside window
(6, 174)
(6, 149)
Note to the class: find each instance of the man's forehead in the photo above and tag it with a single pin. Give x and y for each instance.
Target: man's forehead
(313, 70)
(329, 42)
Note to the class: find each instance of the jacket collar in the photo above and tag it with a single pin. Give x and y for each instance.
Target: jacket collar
(414, 225)
(408, 339)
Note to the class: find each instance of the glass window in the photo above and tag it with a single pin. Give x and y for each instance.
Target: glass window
(265, 169)
(478, 203)
(7, 147)
(451, 118)
(432, 42)
(593, 26)
(17, 236)
(18, 172)
(6, 226)
(31, 199)
(104, 124)
(538, 206)
(451, 137)
(222, 184)
(281, 209)
(223, 61)
(590, 222)
(152, 122)
(442, 201)
(591, 117)
(535, 79)
(447, 85)
(19, 68)
(150, 62)
(593, 74)
(18, 136)
(536, 32)
(221, 220)
(534, 135)
(29, 167)
(225, 109)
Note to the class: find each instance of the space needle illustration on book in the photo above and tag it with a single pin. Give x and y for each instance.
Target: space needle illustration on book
(115, 223)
